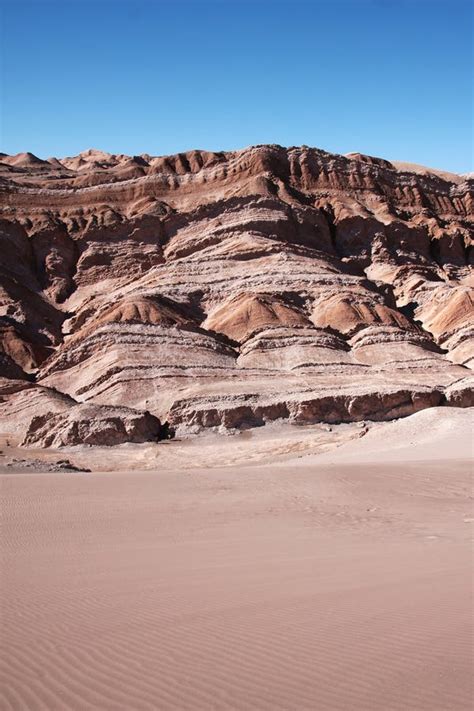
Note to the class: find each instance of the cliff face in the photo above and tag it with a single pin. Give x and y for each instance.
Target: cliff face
(233, 288)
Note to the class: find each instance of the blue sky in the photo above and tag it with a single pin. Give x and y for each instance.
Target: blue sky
(391, 78)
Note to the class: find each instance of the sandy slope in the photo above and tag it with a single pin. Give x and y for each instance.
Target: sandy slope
(323, 585)
(432, 434)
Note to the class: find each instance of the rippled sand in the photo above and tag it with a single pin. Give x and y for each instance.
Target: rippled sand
(317, 583)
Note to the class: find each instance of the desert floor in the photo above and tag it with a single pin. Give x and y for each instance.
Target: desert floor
(293, 569)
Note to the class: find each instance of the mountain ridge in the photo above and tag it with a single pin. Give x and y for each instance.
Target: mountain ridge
(185, 284)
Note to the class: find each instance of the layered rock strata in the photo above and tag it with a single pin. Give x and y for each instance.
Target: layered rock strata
(232, 289)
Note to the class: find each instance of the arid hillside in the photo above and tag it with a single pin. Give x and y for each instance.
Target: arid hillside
(227, 290)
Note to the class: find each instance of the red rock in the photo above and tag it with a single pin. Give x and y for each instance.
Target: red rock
(235, 288)
(92, 424)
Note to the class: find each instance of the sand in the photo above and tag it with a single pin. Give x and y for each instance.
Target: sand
(331, 581)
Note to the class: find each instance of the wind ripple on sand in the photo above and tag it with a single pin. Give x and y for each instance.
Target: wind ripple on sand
(149, 591)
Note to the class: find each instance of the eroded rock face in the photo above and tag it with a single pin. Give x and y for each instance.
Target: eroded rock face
(230, 289)
(303, 408)
(461, 393)
(92, 424)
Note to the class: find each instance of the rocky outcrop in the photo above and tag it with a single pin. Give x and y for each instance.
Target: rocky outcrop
(461, 393)
(303, 408)
(230, 289)
(241, 316)
(92, 424)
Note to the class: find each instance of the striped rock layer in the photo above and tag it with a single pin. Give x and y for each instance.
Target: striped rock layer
(229, 290)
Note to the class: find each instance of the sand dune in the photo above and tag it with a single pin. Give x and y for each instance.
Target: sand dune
(428, 435)
(321, 585)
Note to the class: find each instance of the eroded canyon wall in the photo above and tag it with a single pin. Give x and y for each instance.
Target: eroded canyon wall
(229, 289)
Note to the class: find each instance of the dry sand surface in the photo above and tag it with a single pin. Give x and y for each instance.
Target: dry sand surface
(333, 581)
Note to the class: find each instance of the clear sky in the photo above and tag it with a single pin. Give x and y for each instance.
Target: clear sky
(391, 78)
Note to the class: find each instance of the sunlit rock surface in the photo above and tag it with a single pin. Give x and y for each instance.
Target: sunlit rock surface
(231, 289)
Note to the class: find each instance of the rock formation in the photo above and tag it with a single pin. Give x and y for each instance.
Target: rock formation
(92, 424)
(229, 289)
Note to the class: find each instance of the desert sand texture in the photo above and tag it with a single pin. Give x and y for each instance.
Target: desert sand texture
(322, 577)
